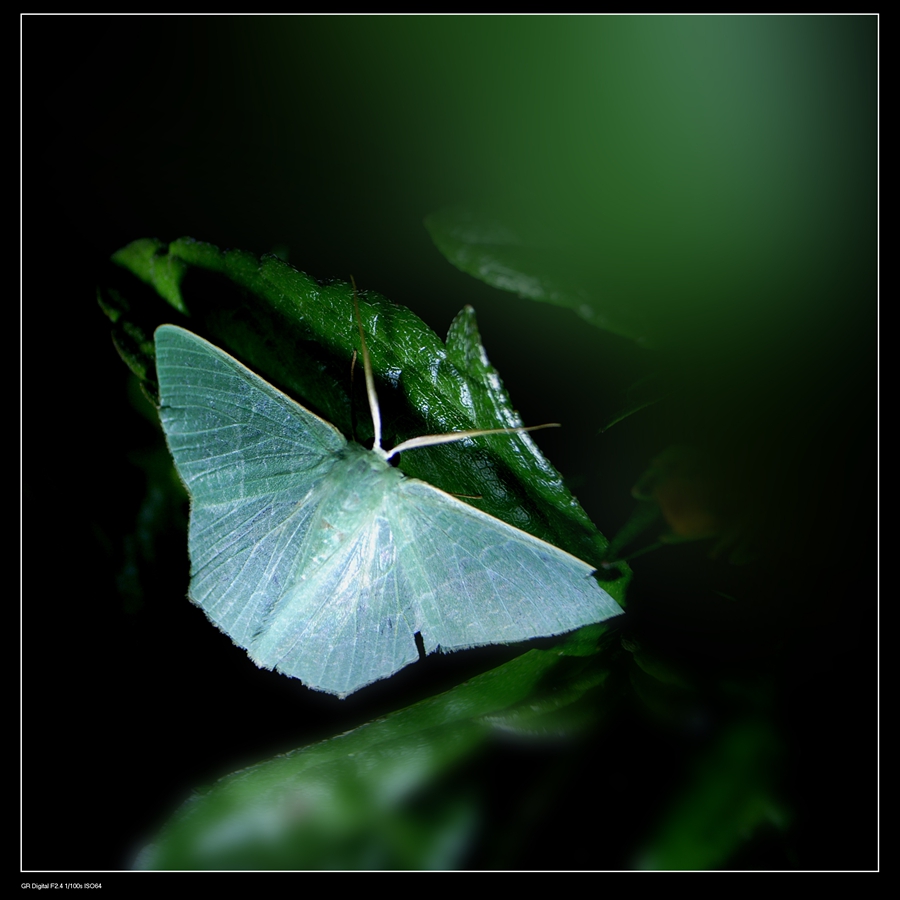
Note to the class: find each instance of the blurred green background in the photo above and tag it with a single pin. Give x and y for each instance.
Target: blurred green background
(709, 183)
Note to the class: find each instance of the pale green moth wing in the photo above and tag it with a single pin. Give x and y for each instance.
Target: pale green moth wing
(320, 558)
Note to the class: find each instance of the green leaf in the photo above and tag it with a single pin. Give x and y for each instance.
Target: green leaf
(300, 334)
(729, 795)
(146, 259)
(523, 261)
(383, 795)
(640, 395)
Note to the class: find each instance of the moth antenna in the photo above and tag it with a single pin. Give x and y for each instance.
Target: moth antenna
(370, 380)
(353, 395)
(430, 440)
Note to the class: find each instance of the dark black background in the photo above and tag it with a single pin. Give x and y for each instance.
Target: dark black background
(162, 126)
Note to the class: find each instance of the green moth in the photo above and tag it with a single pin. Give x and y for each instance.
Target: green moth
(321, 559)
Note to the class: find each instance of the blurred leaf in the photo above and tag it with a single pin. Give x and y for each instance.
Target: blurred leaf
(645, 515)
(728, 796)
(684, 483)
(639, 396)
(530, 265)
(377, 797)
